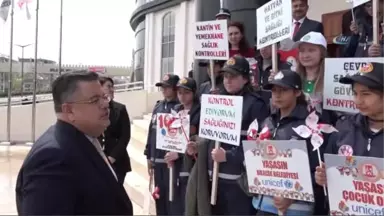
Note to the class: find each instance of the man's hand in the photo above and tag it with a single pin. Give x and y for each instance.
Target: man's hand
(320, 175)
(170, 157)
(218, 155)
(111, 159)
(282, 204)
(374, 50)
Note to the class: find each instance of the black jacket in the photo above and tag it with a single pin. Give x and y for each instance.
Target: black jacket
(308, 26)
(117, 136)
(281, 129)
(354, 132)
(63, 174)
(205, 87)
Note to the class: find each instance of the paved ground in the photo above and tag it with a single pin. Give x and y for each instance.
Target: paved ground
(9, 168)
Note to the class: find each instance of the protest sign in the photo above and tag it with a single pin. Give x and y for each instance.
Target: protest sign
(211, 40)
(279, 168)
(220, 118)
(337, 96)
(355, 185)
(274, 22)
(170, 138)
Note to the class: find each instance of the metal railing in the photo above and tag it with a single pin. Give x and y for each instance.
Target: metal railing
(133, 86)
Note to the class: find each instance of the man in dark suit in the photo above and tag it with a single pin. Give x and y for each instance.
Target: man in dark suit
(66, 171)
(117, 135)
(301, 24)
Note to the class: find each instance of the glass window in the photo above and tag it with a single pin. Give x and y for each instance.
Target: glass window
(168, 44)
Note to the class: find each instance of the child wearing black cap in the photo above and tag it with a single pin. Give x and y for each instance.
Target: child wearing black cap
(291, 111)
(231, 199)
(189, 105)
(156, 162)
(364, 133)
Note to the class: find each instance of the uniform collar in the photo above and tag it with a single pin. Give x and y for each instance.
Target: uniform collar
(300, 112)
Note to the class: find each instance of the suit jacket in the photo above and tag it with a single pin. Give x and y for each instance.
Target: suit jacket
(307, 26)
(63, 174)
(117, 136)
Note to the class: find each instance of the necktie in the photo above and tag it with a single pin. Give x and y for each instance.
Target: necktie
(296, 29)
(98, 147)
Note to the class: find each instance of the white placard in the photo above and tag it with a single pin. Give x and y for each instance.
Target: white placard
(169, 138)
(279, 168)
(211, 40)
(355, 185)
(337, 96)
(274, 22)
(220, 118)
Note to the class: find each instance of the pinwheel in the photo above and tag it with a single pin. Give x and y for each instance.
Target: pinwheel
(252, 131)
(156, 193)
(179, 120)
(314, 129)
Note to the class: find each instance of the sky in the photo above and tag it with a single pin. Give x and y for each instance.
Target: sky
(95, 32)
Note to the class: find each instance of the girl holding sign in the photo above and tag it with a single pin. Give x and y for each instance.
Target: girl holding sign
(189, 105)
(231, 199)
(363, 135)
(157, 165)
(291, 112)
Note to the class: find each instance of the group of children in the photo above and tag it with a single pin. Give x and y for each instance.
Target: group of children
(294, 94)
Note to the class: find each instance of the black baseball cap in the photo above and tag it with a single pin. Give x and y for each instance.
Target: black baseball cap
(216, 62)
(169, 80)
(187, 83)
(237, 65)
(370, 75)
(286, 79)
(223, 12)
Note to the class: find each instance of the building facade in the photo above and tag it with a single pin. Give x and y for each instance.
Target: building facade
(47, 71)
(164, 31)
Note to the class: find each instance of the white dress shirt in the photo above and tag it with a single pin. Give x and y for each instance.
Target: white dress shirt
(97, 145)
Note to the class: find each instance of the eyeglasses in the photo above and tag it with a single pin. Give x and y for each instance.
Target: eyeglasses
(93, 100)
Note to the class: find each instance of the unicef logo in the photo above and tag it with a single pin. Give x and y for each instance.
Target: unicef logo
(288, 184)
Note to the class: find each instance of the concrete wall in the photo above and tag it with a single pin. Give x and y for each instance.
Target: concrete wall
(183, 59)
(137, 103)
(319, 7)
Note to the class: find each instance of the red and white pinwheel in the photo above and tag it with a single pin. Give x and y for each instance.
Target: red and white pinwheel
(252, 131)
(314, 129)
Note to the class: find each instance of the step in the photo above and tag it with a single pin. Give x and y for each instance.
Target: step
(138, 190)
(138, 161)
(148, 117)
(141, 125)
(138, 138)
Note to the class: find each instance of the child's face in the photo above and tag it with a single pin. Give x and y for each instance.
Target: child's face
(369, 103)
(282, 97)
(167, 91)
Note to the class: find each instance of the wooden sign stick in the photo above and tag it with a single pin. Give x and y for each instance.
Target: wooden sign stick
(215, 173)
